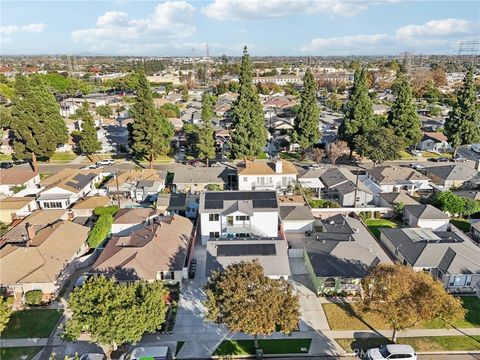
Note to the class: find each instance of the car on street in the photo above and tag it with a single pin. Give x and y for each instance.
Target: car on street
(313, 166)
(460, 158)
(392, 351)
(90, 167)
(181, 149)
(106, 162)
(416, 166)
(440, 159)
(475, 148)
(6, 164)
(193, 268)
(148, 352)
(416, 152)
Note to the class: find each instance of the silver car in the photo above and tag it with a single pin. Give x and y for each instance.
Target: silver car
(393, 351)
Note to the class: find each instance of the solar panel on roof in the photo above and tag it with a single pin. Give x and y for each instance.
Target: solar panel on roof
(217, 204)
(246, 250)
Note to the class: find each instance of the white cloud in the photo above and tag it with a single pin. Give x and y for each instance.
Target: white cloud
(169, 21)
(436, 36)
(444, 27)
(264, 9)
(11, 29)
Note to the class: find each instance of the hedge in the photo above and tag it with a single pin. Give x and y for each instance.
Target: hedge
(107, 210)
(100, 230)
(33, 297)
(319, 203)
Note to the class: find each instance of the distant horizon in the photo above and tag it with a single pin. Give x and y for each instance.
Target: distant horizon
(181, 28)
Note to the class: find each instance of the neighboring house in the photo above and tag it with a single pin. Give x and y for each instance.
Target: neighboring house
(42, 258)
(272, 255)
(475, 231)
(296, 218)
(84, 207)
(425, 216)
(450, 256)
(434, 141)
(156, 251)
(447, 176)
(238, 214)
(339, 254)
(389, 199)
(310, 179)
(396, 179)
(194, 180)
(66, 187)
(129, 220)
(276, 175)
(341, 185)
(137, 184)
(179, 204)
(16, 179)
(12, 208)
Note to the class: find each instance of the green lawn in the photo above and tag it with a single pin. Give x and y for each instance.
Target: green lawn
(45, 175)
(5, 157)
(344, 317)
(291, 156)
(406, 155)
(59, 157)
(275, 346)
(431, 343)
(159, 159)
(19, 353)
(462, 224)
(31, 323)
(375, 224)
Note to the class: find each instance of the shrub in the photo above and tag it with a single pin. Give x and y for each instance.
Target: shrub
(100, 230)
(107, 210)
(33, 297)
(319, 203)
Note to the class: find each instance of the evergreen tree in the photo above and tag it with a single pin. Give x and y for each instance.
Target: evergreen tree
(206, 141)
(114, 313)
(307, 132)
(89, 143)
(151, 131)
(207, 107)
(249, 135)
(403, 117)
(36, 123)
(244, 299)
(5, 312)
(379, 145)
(462, 126)
(359, 111)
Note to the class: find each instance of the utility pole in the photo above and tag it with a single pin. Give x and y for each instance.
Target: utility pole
(118, 188)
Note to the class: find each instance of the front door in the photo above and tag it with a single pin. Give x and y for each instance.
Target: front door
(230, 220)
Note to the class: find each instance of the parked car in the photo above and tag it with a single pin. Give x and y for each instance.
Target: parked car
(416, 152)
(106, 162)
(192, 269)
(90, 167)
(440, 159)
(313, 166)
(475, 148)
(181, 149)
(148, 352)
(417, 166)
(460, 159)
(6, 164)
(393, 351)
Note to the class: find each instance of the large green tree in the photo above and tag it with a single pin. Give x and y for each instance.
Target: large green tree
(207, 106)
(379, 145)
(249, 134)
(5, 312)
(89, 143)
(244, 299)
(115, 314)
(206, 141)
(36, 123)
(462, 126)
(151, 131)
(404, 297)
(359, 117)
(403, 117)
(306, 131)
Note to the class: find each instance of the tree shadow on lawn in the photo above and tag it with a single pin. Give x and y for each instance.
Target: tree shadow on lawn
(364, 341)
(350, 310)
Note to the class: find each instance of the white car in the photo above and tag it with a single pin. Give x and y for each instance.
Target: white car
(90, 167)
(106, 162)
(417, 166)
(475, 148)
(393, 351)
(416, 153)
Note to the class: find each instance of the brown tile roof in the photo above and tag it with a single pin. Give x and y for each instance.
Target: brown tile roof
(388, 174)
(262, 167)
(15, 203)
(436, 136)
(91, 202)
(158, 247)
(51, 249)
(133, 215)
(16, 176)
(137, 175)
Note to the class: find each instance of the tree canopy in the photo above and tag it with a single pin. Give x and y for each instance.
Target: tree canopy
(249, 134)
(244, 299)
(462, 125)
(5, 312)
(115, 314)
(104, 110)
(403, 117)
(37, 126)
(306, 130)
(151, 131)
(379, 145)
(405, 297)
(89, 143)
(208, 101)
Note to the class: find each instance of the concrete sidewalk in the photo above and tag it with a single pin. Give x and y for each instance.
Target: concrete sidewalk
(338, 334)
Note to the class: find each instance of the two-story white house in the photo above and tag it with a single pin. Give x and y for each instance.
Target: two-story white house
(66, 187)
(238, 214)
(276, 175)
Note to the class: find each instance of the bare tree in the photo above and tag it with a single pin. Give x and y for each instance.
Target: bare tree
(337, 149)
(317, 155)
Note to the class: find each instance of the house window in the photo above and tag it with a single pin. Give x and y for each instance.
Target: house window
(242, 218)
(330, 282)
(405, 263)
(167, 275)
(214, 234)
(52, 205)
(213, 217)
(459, 280)
(451, 281)
(468, 280)
(245, 179)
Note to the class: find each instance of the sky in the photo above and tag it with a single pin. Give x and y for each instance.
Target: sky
(267, 27)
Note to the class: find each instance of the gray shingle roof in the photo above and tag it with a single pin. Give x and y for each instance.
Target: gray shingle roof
(295, 213)
(452, 172)
(425, 212)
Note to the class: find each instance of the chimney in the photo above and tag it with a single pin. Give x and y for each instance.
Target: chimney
(477, 165)
(30, 231)
(278, 166)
